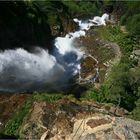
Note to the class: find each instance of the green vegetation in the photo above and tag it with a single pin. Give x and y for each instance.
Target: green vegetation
(47, 97)
(29, 22)
(13, 124)
(118, 88)
(82, 7)
(136, 112)
(92, 94)
(126, 42)
(122, 85)
(131, 18)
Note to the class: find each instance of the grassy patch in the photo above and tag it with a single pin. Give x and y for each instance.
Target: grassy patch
(93, 94)
(47, 97)
(104, 54)
(113, 34)
(13, 124)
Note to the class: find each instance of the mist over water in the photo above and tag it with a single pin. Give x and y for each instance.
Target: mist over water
(24, 71)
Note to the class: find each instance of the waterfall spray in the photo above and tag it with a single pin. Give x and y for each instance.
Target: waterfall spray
(24, 71)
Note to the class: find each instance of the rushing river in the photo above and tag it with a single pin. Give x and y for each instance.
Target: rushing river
(23, 71)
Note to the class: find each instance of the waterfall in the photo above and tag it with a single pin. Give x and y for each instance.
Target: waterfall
(21, 70)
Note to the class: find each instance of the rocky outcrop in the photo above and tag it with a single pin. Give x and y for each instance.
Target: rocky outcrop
(100, 56)
(105, 127)
(72, 120)
(64, 27)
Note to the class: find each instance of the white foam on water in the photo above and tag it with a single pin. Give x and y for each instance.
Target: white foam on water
(100, 20)
(21, 70)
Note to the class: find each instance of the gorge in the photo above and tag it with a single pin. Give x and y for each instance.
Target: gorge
(40, 70)
(68, 71)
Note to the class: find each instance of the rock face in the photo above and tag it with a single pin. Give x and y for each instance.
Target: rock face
(66, 26)
(105, 127)
(89, 70)
(71, 120)
(100, 56)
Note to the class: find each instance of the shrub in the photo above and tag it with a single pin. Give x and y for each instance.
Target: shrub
(133, 24)
(136, 111)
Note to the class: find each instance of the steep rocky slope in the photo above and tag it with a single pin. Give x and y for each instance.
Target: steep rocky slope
(101, 54)
(9, 103)
(73, 120)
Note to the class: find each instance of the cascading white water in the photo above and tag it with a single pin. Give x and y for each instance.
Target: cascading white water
(22, 71)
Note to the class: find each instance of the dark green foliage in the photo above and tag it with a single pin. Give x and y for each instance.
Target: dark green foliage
(81, 7)
(136, 111)
(131, 17)
(119, 88)
(135, 81)
(131, 8)
(92, 94)
(133, 25)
